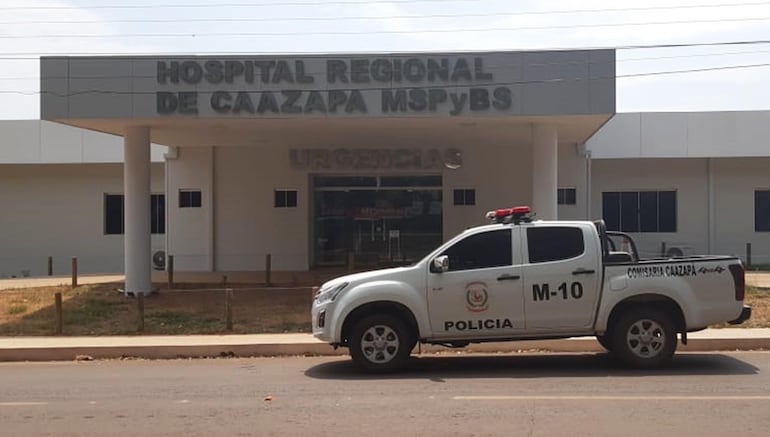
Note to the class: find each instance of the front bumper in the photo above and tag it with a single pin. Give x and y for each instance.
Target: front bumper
(745, 315)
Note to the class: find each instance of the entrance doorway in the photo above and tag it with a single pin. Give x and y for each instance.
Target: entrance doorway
(379, 220)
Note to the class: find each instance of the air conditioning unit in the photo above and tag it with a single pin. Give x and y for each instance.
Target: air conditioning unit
(159, 260)
(676, 250)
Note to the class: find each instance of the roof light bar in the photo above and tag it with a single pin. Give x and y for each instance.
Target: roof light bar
(516, 214)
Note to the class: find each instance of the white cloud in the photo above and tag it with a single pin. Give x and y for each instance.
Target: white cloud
(21, 44)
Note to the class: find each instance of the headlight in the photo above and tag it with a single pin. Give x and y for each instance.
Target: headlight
(331, 293)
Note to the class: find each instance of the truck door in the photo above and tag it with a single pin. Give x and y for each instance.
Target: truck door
(562, 277)
(481, 293)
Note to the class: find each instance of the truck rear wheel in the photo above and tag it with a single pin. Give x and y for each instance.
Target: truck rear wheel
(644, 338)
(381, 343)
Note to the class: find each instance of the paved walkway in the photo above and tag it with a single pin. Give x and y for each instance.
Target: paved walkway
(169, 347)
(758, 279)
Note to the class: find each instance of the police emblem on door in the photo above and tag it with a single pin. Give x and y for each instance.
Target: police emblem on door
(476, 297)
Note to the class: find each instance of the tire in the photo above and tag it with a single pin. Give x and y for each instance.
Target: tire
(605, 340)
(381, 343)
(644, 338)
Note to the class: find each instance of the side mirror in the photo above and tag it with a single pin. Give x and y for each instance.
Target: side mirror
(440, 264)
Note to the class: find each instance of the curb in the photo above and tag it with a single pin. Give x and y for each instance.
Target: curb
(573, 345)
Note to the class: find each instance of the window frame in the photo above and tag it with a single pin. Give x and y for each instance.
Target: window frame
(563, 196)
(764, 192)
(107, 230)
(287, 195)
(187, 198)
(467, 196)
(629, 216)
(157, 220)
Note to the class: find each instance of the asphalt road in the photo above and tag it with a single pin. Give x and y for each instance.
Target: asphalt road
(703, 394)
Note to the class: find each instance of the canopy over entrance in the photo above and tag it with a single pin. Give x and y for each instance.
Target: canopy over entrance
(329, 110)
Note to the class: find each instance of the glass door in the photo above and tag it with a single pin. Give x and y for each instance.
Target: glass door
(379, 220)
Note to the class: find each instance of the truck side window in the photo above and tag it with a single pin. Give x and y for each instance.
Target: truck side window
(481, 251)
(554, 243)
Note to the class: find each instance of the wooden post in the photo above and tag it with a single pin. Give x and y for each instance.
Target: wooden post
(59, 321)
(662, 248)
(170, 271)
(229, 309)
(140, 311)
(74, 271)
(268, 267)
(351, 261)
(748, 254)
(50, 266)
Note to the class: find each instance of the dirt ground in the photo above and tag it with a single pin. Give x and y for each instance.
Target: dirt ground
(101, 310)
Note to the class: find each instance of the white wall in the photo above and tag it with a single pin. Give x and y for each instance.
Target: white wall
(190, 230)
(58, 210)
(683, 135)
(630, 153)
(735, 181)
(572, 174)
(45, 142)
(245, 226)
(501, 176)
(686, 176)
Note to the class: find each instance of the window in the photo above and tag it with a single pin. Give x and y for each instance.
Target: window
(639, 211)
(285, 198)
(158, 214)
(190, 199)
(554, 243)
(762, 211)
(114, 214)
(465, 196)
(481, 251)
(566, 196)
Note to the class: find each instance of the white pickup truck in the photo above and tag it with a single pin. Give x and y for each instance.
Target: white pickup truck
(519, 279)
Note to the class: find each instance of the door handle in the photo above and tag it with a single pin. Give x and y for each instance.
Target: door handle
(583, 272)
(508, 277)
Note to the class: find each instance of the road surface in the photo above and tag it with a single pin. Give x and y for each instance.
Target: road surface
(702, 394)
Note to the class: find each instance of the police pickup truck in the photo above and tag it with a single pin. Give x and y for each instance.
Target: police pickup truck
(522, 279)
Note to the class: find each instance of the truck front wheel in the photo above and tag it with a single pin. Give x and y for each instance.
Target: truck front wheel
(381, 343)
(644, 338)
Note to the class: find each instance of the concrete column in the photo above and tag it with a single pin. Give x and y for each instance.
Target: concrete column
(544, 171)
(136, 188)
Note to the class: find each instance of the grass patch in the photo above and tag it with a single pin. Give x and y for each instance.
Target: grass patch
(17, 309)
(101, 310)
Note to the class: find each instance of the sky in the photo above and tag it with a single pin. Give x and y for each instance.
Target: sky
(710, 77)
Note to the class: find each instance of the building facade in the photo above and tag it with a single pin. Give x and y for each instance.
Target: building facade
(693, 183)
(680, 183)
(316, 159)
(56, 183)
